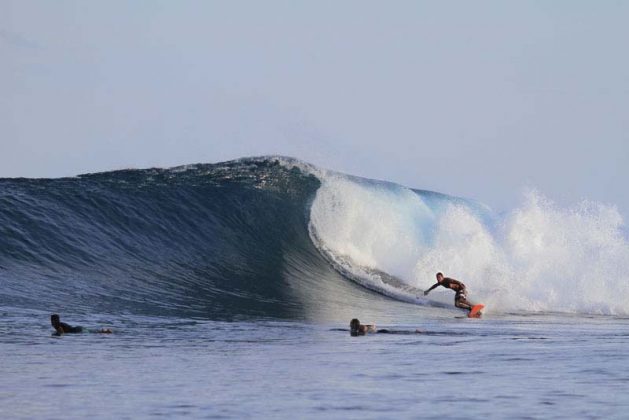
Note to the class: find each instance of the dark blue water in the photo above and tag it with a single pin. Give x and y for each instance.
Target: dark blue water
(210, 241)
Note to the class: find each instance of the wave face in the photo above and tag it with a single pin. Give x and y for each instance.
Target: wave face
(206, 240)
(278, 238)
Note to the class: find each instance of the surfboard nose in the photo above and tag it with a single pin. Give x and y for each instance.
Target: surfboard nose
(476, 311)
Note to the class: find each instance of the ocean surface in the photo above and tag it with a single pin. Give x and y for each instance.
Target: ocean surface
(230, 287)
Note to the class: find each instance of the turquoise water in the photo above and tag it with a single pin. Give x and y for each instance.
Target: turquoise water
(535, 366)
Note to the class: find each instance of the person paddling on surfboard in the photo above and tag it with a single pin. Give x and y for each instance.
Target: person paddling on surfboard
(63, 328)
(356, 329)
(460, 298)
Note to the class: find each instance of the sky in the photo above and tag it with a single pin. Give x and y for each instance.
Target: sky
(479, 99)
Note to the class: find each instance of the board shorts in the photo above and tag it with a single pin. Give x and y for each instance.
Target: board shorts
(461, 295)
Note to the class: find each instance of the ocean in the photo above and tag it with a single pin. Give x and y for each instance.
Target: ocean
(229, 288)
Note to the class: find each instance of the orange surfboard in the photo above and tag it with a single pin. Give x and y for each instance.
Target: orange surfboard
(476, 311)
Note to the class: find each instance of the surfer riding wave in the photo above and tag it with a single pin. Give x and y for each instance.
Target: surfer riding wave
(460, 298)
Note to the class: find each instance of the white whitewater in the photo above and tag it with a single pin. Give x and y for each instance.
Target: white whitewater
(538, 257)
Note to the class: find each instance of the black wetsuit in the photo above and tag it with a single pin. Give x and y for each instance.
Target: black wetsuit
(460, 298)
(69, 329)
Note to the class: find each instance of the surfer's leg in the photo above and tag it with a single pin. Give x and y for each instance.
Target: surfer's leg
(463, 305)
(100, 331)
(460, 301)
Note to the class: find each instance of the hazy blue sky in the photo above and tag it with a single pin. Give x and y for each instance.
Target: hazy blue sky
(472, 98)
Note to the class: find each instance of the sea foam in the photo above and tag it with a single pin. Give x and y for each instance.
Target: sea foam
(537, 257)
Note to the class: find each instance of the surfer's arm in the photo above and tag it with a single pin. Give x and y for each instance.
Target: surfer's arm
(432, 287)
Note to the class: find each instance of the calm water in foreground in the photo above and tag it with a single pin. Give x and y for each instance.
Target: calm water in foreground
(542, 366)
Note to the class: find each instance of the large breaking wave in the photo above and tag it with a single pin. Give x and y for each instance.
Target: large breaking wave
(275, 237)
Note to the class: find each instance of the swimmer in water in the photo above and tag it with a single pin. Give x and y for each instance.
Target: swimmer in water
(356, 329)
(63, 328)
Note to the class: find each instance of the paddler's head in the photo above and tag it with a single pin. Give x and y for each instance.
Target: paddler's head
(354, 327)
(54, 320)
(439, 277)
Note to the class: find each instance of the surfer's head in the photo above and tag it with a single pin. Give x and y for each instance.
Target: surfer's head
(439, 277)
(354, 327)
(54, 320)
